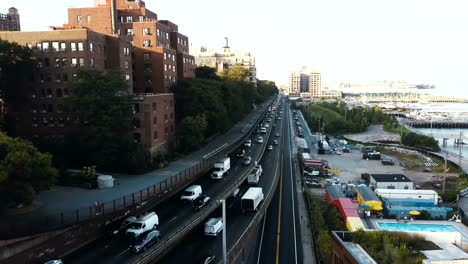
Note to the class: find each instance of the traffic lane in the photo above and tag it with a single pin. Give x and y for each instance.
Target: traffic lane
(237, 222)
(309, 137)
(117, 250)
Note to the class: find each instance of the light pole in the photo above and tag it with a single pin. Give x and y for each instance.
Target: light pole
(223, 202)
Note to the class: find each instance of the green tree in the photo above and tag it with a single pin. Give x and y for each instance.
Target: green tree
(192, 132)
(23, 171)
(205, 72)
(236, 73)
(324, 242)
(104, 107)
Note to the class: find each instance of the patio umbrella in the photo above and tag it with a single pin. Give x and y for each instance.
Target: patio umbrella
(414, 213)
(364, 206)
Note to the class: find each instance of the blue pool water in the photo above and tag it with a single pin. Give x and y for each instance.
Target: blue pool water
(417, 227)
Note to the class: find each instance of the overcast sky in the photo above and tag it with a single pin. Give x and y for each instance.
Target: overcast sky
(421, 41)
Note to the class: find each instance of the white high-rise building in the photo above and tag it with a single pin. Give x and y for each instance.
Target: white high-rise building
(305, 83)
(225, 59)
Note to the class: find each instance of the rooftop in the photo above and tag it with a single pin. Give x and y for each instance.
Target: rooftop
(390, 178)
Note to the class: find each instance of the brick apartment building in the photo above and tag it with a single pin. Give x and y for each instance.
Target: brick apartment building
(160, 55)
(114, 33)
(10, 21)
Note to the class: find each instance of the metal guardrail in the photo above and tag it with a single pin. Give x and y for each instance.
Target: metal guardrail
(163, 247)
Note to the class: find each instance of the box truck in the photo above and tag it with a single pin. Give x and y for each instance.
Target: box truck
(254, 175)
(251, 199)
(220, 168)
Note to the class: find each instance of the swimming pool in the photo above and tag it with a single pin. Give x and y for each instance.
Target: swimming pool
(417, 227)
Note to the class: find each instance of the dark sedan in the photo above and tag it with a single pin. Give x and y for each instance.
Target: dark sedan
(200, 202)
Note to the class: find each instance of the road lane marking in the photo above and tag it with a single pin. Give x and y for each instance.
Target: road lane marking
(172, 219)
(121, 253)
(294, 213)
(261, 237)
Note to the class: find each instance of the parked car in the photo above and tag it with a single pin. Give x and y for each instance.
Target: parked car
(247, 161)
(200, 202)
(145, 241)
(388, 162)
(248, 143)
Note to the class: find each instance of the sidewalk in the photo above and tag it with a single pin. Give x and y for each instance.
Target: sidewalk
(61, 198)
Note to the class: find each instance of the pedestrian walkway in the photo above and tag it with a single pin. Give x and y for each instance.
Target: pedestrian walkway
(61, 198)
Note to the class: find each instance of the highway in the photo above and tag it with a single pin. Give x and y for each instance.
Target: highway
(172, 214)
(196, 245)
(279, 239)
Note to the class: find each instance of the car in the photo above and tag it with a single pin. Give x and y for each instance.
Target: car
(247, 161)
(270, 147)
(266, 125)
(145, 241)
(277, 134)
(259, 140)
(275, 142)
(388, 162)
(207, 259)
(54, 261)
(241, 153)
(300, 135)
(200, 202)
(278, 118)
(248, 143)
(339, 152)
(116, 227)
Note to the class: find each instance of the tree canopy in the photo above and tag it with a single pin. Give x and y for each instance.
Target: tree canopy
(236, 73)
(102, 138)
(205, 72)
(23, 171)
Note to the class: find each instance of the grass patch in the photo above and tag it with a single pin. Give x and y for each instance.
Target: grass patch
(409, 161)
(395, 129)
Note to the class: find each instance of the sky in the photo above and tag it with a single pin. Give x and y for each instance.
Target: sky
(366, 41)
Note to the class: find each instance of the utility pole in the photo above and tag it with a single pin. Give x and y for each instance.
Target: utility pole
(445, 172)
(459, 151)
(223, 202)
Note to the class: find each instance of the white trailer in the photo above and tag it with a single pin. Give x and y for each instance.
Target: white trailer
(254, 175)
(409, 194)
(251, 199)
(220, 168)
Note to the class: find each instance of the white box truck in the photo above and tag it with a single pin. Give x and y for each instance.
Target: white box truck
(251, 199)
(220, 168)
(254, 175)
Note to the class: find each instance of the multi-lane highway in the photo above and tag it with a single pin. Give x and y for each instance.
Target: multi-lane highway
(196, 246)
(172, 214)
(279, 239)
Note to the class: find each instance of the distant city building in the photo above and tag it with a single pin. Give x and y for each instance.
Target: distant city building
(10, 21)
(305, 83)
(225, 59)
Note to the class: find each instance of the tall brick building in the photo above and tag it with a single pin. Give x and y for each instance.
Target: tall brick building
(10, 21)
(113, 33)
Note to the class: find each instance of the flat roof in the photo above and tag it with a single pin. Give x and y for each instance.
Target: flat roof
(252, 193)
(390, 178)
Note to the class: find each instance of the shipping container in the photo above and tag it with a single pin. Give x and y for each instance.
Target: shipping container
(354, 224)
(413, 194)
(333, 192)
(366, 196)
(346, 208)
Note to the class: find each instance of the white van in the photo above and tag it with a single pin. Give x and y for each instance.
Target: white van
(144, 223)
(191, 193)
(213, 226)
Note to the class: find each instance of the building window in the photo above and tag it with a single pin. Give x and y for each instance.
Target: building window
(166, 130)
(158, 32)
(126, 51)
(155, 120)
(78, 19)
(39, 64)
(65, 77)
(45, 46)
(146, 31)
(63, 46)
(155, 135)
(64, 62)
(127, 77)
(55, 46)
(148, 67)
(136, 108)
(46, 62)
(146, 56)
(59, 92)
(154, 106)
(126, 65)
(58, 78)
(73, 46)
(57, 62)
(74, 62)
(81, 62)
(49, 93)
(130, 31)
(91, 47)
(165, 67)
(99, 48)
(88, 18)
(171, 116)
(43, 93)
(167, 35)
(91, 62)
(129, 19)
(65, 92)
(148, 80)
(80, 46)
(146, 43)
